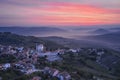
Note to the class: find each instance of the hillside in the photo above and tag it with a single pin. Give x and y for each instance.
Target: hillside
(75, 43)
(110, 37)
(99, 41)
(7, 38)
(100, 31)
(84, 64)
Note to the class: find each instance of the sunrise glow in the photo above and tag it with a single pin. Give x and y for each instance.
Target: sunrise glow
(39, 12)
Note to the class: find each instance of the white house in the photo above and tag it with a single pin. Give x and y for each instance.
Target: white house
(64, 76)
(20, 49)
(73, 50)
(6, 66)
(13, 51)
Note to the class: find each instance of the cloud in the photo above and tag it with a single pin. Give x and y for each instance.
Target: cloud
(50, 12)
(99, 3)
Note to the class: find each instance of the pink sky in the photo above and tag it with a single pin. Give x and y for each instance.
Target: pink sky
(61, 13)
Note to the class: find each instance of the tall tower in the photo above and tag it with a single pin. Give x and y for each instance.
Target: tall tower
(39, 48)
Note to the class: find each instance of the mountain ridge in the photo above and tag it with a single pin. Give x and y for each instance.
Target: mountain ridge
(31, 30)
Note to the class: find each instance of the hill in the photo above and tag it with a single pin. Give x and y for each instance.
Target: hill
(100, 31)
(117, 28)
(75, 43)
(8, 38)
(110, 37)
(31, 30)
(99, 41)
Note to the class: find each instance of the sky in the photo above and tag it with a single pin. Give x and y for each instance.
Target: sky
(59, 12)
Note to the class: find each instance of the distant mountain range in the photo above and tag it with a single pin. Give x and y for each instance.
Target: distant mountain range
(111, 40)
(7, 38)
(113, 37)
(100, 40)
(118, 28)
(31, 30)
(100, 31)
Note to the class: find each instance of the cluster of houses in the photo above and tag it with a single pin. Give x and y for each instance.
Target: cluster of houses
(39, 51)
(30, 68)
(28, 57)
(27, 68)
(56, 73)
(105, 59)
(21, 66)
(5, 66)
(97, 53)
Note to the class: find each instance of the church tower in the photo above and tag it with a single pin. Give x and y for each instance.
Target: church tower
(39, 48)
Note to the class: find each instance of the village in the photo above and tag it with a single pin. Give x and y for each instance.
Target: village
(28, 57)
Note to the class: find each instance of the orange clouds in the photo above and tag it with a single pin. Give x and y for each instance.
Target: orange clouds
(51, 13)
(74, 14)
